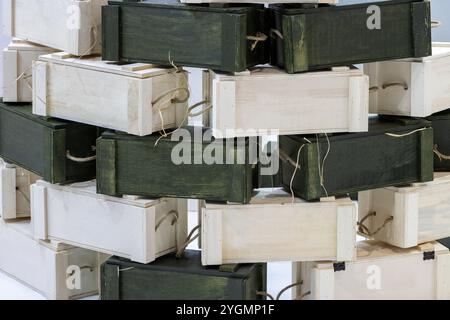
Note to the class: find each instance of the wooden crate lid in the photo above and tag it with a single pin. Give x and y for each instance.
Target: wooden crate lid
(441, 180)
(378, 125)
(25, 110)
(272, 72)
(196, 134)
(22, 45)
(443, 115)
(296, 8)
(89, 189)
(278, 197)
(25, 228)
(95, 63)
(370, 250)
(177, 5)
(441, 50)
(189, 263)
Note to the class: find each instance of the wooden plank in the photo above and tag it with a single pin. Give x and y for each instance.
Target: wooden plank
(212, 238)
(7, 192)
(322, 280)
(224, 114)
(442, 278)
(160, 280)
(111, 33)
(406, 143)
(141, 31)
(420, 213)
(411, 87)
(346, 233)
(7, 7)
(40, 88)
(304, 231)
(164, 158)
(38, 203)
(131, 104)
(40, 145)
(381, 272)
(77, 215)
(441, 140)
(41, 266)
(243, 105)
(10, 75)
(64, 25)
(315, 38)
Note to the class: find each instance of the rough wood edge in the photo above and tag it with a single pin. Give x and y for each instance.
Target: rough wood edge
(40, 88)
(443, 277)
(38, 201)
(211, 237)
(10, 74)
(8, 193)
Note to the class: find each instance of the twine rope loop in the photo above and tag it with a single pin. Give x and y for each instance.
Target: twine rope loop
(259, 37)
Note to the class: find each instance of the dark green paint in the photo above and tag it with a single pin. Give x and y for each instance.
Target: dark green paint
(40, 144)
(192, 35)
(170, 278)
(129, 165)
(265, 161)
(330, 36)
(441, 126)
(361, 161)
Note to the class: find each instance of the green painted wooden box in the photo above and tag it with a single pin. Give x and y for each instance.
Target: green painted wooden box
(269, 173)
(160, 31)
(441, 127)
(42, 145)
(395, 151)
(129, 165)
(311, 38)
(169, 278)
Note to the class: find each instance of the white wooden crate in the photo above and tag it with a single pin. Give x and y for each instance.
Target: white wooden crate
(140, 230)
(381, 272)
(101, 93)
(15, 185)
(272, 228)
(268, 98)
(18, 60)
(73, 26)
(421, 213)
(415, 87)
(47, 267)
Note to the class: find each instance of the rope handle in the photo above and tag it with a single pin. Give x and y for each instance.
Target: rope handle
(81, 160)
(259, 37)
(173, 213)
(208, 107)
(364, 230)
(389, 85)
(172, 100)
(267, 295)
(393, 135)
(436, 23)
(275, 32)
(439, 154)
(191, 238)
(91, 269)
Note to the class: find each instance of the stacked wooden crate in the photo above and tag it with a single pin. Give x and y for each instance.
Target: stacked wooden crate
(118, 118)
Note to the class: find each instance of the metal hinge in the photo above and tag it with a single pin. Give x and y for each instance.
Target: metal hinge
(339, 266)
(429, 255)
